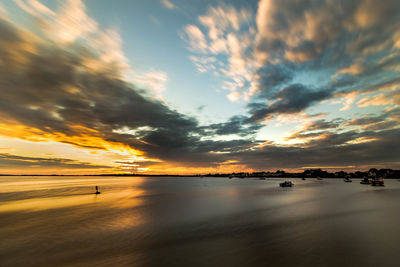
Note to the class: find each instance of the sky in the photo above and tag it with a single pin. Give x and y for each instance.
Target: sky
(188, 87)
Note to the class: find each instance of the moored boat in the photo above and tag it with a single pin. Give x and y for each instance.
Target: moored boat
(365, 181)
(347, 180)
(286, 184)
(377, 182)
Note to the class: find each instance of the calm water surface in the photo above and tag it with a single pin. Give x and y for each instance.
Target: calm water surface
(58, 221)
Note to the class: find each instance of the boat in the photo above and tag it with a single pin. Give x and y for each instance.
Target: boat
(347, 180)
(365, 181)
(303, 179)
(261, 178)
(377, 182)
(286, 184)
(319, 178)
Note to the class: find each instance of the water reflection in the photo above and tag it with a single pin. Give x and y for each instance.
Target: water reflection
(49, 194)
(196, 222)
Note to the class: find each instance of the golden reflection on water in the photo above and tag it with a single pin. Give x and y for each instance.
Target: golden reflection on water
(127, 195)
(122, 199)
(154, 222)
(53, 183)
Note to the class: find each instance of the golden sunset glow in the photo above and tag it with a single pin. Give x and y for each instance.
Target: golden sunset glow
(237, 88)
(199, 133)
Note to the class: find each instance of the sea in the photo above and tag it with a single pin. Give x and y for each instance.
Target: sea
(193, 221)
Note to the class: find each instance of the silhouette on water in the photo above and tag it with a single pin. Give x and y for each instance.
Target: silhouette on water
(97, 190)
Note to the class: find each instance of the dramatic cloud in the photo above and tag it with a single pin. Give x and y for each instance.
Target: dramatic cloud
(322, 125)
(367, 129)
(51, 91)
(68, 81)
(370, 149)
(302, 30)
(346, 46)
(275, 75)
(236, 125)
(389, 119)
(12, 161)
(291, 99)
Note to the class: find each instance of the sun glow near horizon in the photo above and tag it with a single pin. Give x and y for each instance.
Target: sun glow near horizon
(235, 87)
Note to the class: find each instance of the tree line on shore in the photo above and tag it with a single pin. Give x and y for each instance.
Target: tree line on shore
(308, 173)
(313, 173)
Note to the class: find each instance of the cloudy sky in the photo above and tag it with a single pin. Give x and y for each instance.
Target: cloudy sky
(176, 86)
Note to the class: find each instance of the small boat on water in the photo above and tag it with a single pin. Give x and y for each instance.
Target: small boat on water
(319, 178)
(303, 179)
(377, 182)
(286, 184)
(365, 181)
(261, 178)
(347, 180)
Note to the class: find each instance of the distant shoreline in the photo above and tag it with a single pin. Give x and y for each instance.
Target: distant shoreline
(309, 173)
(125, 175)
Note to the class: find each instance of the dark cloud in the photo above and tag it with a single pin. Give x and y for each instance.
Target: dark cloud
(12, 161)
(366, 120)
(383, 151)
(391, 82)
(381, 125)
(331, 133)
(53, 90)
(371, 119)
(332, 139)
(291, 99)
(51, 87)
(304, 30)
(235, 125)
(375, 74)
(377, 22)
(325, 138)
(300, 30)
(273, 76)
(323, 124)
(320, 36)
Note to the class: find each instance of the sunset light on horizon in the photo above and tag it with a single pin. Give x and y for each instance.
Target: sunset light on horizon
(197, 87)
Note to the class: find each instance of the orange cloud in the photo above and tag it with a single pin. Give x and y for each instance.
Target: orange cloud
(353, 69)
(84, 137)
(378, 100)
